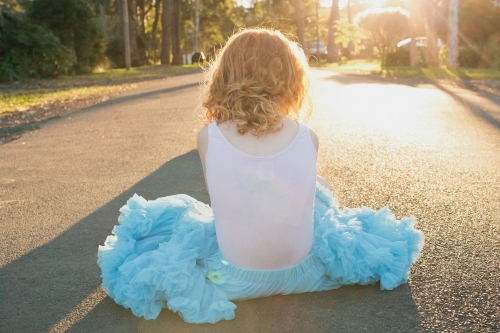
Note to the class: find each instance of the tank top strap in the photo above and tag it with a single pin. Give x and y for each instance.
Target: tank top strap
(304, 137)
(213, 131)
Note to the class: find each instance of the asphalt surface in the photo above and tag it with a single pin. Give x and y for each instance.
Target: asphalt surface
(423, 149)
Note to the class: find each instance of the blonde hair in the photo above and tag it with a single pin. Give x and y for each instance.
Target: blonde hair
(256, 79)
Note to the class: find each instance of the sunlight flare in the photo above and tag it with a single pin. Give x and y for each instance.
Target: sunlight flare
(80, 311)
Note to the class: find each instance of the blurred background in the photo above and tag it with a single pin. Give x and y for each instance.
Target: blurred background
(47, 38)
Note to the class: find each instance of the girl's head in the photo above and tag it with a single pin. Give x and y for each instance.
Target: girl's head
(256, 79)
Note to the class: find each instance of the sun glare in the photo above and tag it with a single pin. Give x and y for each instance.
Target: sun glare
(343, 3)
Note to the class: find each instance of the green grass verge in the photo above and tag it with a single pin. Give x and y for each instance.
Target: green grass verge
(144, 72)
(440, 73)
(22, 95)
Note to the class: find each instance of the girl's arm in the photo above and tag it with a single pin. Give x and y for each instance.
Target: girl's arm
(315, 141)
(202, 143)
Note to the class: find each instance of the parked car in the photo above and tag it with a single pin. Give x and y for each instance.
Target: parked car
(420, 41)
(401, 55)
(197, 57)
(312, 50)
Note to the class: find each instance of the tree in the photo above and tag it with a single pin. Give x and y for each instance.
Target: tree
(73, 22)
(176, 33)
(413, 35)
(300, 22)
(453, 34)
(431, 11)
(332, 29)
(384, 28)
(154, 32)
(137, 55)
(29, 50)
(166, 18)
(479, 27)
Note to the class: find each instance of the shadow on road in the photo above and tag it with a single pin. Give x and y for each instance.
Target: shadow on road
(483, 105)
(48, 287)
(347, 79)
(41, 287)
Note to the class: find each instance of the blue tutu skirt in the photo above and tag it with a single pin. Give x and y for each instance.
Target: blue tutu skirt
(164, 254)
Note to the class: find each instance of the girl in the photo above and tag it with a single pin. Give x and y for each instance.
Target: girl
(273, 228)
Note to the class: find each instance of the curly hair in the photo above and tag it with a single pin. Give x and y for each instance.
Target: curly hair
(258, 77)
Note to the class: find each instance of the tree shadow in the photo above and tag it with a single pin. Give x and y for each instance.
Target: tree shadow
(349, 79)
(477, 105)
(42, 287)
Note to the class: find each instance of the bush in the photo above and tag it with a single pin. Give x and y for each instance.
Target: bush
(490, 56)
(469, 56)
(74, 23)
(398, 57)
(115, 51)
(27, 50)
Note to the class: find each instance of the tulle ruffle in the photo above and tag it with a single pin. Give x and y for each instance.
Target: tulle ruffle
(159, 256)
(151, 260)
(362, 245)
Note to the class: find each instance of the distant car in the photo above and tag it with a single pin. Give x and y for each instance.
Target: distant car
(420, 41)
(401, 55)
(312, 50)
(197, 57)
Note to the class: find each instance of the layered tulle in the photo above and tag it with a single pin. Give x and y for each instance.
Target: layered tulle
(164, 254)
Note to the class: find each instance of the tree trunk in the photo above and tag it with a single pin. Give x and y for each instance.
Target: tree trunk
(102, 15)
(432, 57)
(413, 35)
(332, 55)
(154, 31)
(135, 55)
(176, 33)
(196, 25)
(166, 19)
(453, 34)
(300, 23)
(142, 16)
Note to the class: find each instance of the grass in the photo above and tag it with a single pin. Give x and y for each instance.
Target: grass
(144, 72)
(440, 73)
(23, 100)
(21, 96)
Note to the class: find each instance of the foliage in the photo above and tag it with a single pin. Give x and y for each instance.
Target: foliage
(28, 50)
(478, 20)
(469, 55)
(349, 36)
(12, 6)
(74, 23)
(479, 26)
(398, 57)
(491, 53)
(384, 27)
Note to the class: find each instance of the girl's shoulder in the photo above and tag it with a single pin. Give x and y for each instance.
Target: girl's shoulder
(314, 138)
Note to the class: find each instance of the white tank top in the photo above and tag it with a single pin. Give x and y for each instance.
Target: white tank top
(263, 206)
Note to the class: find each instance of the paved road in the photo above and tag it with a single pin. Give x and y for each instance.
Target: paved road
(426, 150)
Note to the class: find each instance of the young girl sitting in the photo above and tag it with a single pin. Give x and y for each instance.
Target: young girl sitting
(274, 226)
